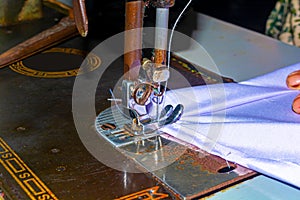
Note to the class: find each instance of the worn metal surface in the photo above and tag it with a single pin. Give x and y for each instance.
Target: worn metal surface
(37, 124)
(194, 173)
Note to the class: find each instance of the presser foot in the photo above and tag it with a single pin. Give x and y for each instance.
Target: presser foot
(121, 129)
(147, 125)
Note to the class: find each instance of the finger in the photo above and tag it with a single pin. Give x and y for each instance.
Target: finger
(296, 105)
(293, 80)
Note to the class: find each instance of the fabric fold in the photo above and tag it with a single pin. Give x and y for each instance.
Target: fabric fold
(250, 123)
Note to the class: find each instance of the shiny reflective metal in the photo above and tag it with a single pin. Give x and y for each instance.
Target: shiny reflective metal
(119, 136)
(127, 126)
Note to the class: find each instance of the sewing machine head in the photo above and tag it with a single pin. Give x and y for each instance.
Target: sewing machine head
(146, 78)
(142, 90)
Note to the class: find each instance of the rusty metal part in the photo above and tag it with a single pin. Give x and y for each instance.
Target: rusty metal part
(162, 3)
(80, 17)
(160, 56)
(134, 13)
(108, 126)
(161, 35)
(142, 93)
(196, 173)
(65, 29)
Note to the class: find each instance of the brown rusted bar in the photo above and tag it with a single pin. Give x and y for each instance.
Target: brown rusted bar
(80, 17)
(64, 30)
(161, 35)
(160, 58)
(134, 13)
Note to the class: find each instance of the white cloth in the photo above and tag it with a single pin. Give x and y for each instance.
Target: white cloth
(250, 123)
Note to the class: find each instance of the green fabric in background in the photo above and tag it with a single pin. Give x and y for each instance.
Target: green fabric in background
(284, 22)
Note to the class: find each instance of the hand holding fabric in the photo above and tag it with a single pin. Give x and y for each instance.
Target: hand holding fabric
(293, 82)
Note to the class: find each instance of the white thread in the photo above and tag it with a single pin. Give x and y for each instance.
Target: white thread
(171, 37)
(173, 29)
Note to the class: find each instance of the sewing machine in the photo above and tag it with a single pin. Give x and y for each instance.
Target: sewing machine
(140, 91)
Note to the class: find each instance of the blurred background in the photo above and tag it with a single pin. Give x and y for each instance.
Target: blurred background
(107, 16)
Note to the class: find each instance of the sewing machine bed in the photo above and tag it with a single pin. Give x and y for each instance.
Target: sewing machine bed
(42, 156)
(193, 174)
